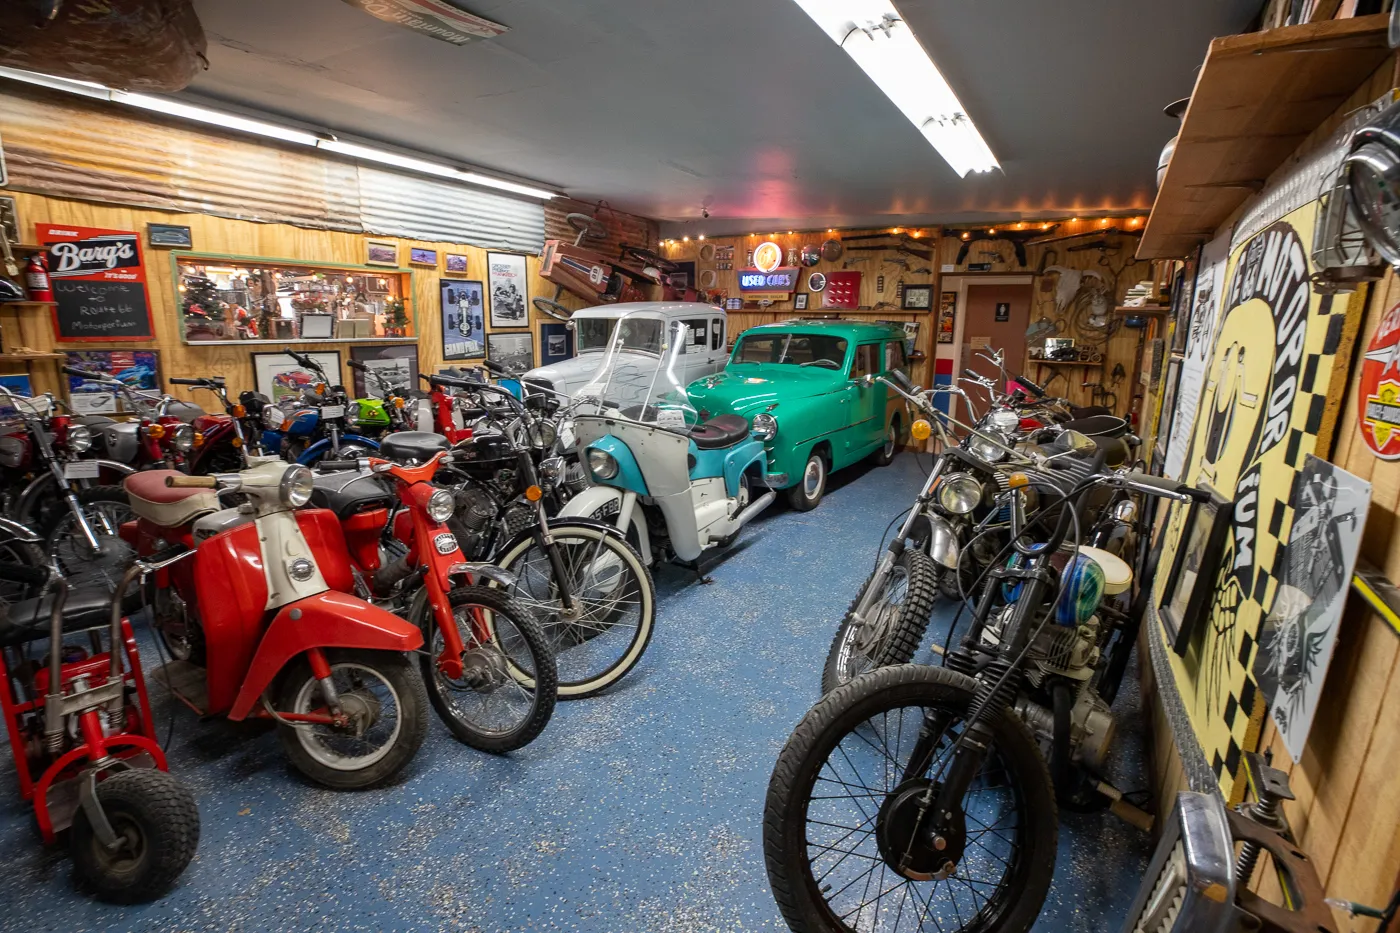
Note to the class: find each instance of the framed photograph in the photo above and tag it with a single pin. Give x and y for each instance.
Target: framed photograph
(1192, 576)
(317, 326)
(510, 297)
(381, 252)
(1164, 418)
(139, 369)
(799, 301)
(169, 235)
(918, 298)
(556, 343)
(947, 316)
(733, 304)
(395, 365)
(463, 321)
(418, 256)
(516, 352)
(9, 220)
(455, 263)
(277, 375)
(19, 384)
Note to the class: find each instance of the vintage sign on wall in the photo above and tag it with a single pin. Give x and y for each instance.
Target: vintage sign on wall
(99, 283)
(1378, 401)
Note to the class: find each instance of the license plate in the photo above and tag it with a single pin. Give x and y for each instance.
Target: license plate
(82, 469)
(332, 411)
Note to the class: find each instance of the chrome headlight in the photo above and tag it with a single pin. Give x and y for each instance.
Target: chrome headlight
(441, 505)
(352, 415)
(79, 438)
(985, 449)
(182, 437)
(1125, 511)
(959, 493)
(295, 488)
(543, 434)
(272, 418)
(602, 463)
(1004, 420)
(552, 470)
(765, 426)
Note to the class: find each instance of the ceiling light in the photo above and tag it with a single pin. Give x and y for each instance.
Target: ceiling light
(685, 239)
(882, 44)
(229, 121)
(700, 237)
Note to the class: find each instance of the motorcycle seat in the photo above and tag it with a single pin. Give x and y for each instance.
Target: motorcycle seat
(415, 446)
(1118, 576)
(1089, 411)
(28, 619)
(1097, 426)
(348, 492)
(164, 505)
(720, 431)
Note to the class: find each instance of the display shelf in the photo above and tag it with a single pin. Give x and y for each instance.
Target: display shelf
(29, 304)
(27, 248)
(1151, 309)
(273, 345)
(36, 355)
(1258, 96)
(1067, 362)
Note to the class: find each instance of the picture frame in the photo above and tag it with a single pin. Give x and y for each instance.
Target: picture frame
(462, 319)
(947, 316)
(799, 301)
(556, 343)
(275, 374)
(19, 384)
(514, 351)
(418, 256)
(381, 252)
(1191, 579)
(508, 290)
(169, 236)
(398, 363)
(455, 262)
(139, 369)
(1168, 399)
(10, 225)
(317, 326)
(917, 298)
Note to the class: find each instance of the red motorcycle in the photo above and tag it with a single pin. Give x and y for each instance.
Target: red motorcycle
(219, 444)
(253, 603)
(84, 744)
(490, 673)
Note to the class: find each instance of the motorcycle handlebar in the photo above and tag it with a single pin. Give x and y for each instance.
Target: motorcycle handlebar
(494, 368)
(357, 365)
(84, 374)
(333, 466)
(1162, 486)
(1036, 390)
(456, 382)
(301, 358)
(192, 482)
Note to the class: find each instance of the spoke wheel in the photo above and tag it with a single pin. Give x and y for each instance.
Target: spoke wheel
(105, 508)
(851, 842)
(895, 623)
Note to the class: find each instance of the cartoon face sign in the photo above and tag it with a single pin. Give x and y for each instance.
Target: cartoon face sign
(1236, 388)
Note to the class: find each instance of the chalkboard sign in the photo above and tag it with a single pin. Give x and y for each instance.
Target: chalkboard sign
(92, 310)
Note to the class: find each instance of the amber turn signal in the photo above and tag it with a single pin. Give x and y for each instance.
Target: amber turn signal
(239, 411)
(920, 430)
(198, 439)
(398, 402)
(155, 430)
(237, 442)
(1017, 480)
(534, 493)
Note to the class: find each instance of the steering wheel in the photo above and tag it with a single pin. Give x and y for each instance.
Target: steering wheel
(647, 257)
(591, 227)
(825, 363)
(552, 308)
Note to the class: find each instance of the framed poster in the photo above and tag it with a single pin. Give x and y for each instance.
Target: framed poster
(10, 225)
(169, 235)
(947, 316)
(455, 263)
(516, 352)
(505, 278)
(395, 365)
(418, 256)
(1192, 578)
(463, 325)
(19, 384)
(99, 283)
(1168, 406)
(277, 375)
(917, 298)
(799, 301)
(381, 252)
(139, 369)
(556, 343)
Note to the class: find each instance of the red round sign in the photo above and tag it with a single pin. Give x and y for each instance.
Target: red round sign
(1379, 393)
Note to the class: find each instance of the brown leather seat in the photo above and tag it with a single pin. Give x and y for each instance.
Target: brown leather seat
(167, 506)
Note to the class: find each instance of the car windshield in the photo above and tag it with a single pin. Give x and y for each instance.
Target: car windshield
(593, 333)
(794, 349)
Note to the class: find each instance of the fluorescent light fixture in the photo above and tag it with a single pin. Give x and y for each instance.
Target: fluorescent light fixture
(288, 134)
(879, 40)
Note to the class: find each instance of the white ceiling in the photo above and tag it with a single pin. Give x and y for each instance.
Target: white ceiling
(742, 106)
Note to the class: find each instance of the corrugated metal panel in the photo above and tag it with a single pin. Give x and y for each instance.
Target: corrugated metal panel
(422, 209)
(69, 147)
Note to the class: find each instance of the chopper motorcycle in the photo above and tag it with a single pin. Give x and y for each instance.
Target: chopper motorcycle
(253, 603)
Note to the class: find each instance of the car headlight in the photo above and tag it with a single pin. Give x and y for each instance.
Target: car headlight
(182, 437)
(959, 493)
(765, 426)
(295, 488)
(79, 438)
(441, 505)
(272, 418)
(552, 470)
(1004, 420)
(985, 449)
(602, 463)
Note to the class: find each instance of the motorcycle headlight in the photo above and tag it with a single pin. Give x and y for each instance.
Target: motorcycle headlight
(765, 426)
(602, 463)
(959, 493)
(1125, 511)
(542, 434)
(352, 415)
(182, 437)
(79, 438)
(552, 470)
(1004, 420)
(295, 488)
(272, 418)
(985, 449)
(441, 506)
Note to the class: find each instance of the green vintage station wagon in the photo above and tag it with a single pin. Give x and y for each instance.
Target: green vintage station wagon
(802, 387)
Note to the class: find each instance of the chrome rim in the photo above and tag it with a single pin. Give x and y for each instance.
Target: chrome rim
(812, 477)
(891, 438)
(373, 706)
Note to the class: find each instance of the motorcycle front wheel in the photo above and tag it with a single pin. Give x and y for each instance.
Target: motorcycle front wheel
(106, 508)
(614, 613)
(894, 626)
(846, 833)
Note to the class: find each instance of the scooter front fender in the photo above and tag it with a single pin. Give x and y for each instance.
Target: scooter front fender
(595, 498)
(326, 620)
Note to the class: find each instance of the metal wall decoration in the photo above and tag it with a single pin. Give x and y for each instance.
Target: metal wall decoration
(99, 283)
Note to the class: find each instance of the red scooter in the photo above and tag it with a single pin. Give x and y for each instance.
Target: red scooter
(84, 744)
(491, 674)
(253, 603)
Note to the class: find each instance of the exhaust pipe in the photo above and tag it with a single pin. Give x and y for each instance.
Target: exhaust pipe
(753, 508)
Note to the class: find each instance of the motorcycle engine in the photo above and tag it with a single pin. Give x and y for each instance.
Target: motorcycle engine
(476, 507)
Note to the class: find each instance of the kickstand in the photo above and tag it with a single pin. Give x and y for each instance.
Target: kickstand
(699, 574)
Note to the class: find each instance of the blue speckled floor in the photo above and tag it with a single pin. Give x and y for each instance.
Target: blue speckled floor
(637, 811)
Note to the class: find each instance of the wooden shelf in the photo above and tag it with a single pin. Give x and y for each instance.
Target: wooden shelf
(1152, 309)
(29, 304)
(1258, 96)
(27, 247)
(1067, 362)
(18, 357)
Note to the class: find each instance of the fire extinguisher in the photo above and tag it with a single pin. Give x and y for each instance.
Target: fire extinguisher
(36, 278)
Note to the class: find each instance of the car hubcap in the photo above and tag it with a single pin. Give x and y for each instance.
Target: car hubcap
(812, 478)
(890, 439)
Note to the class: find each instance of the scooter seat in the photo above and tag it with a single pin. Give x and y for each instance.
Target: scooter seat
(348, 492)
(416, 446)
(28, 619)
(164, 505)
(720, 431)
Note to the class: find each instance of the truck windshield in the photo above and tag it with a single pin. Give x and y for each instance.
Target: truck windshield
(796, 349)
(593, 333)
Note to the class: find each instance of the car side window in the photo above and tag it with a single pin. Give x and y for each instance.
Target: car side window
(699, 333)
(894, 357)
(716, 333)
(867, 361)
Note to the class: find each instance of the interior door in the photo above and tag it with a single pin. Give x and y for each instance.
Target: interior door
(996, 317)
